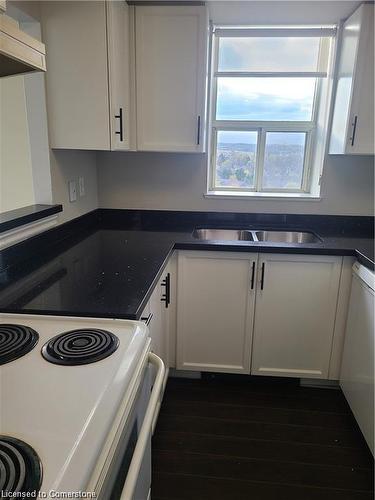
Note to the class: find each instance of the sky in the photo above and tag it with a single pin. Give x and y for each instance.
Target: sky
(266, 98)
(269, 54)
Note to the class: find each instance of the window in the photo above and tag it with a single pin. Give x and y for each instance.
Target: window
(266, 95)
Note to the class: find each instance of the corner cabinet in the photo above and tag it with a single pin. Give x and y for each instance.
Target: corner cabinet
(215, 308)
(353, 113)
(295, 315)
(171, 77)
(88, 82)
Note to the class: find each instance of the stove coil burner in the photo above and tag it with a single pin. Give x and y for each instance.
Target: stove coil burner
(20, 469)
(80, 347)
(16, 341)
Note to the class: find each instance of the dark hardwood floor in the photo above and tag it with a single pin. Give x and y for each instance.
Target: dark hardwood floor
(238, 438)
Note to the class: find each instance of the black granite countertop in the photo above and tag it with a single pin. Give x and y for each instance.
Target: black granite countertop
(109, 269)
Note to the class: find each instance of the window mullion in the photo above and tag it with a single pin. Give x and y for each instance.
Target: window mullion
(270, 74)
(287, 126)
(212, 179)
(307, 161)
(260, 158)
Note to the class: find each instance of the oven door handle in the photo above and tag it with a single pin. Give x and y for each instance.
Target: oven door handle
(146, 429)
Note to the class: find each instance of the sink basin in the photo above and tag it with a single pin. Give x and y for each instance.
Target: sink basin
(286, 236)
(296, 237)
(223, 234)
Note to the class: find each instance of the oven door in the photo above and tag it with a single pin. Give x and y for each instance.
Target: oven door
(129, 476)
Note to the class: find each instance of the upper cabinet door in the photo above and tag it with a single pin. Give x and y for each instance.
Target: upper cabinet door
(77, 79)
(295, 314)
(118, 39)
(171, 77)
(88, 74)
(353, 115)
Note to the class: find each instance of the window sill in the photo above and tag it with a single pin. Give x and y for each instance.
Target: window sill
(262, 196)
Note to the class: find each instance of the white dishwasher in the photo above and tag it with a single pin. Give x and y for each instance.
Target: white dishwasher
(357, 369)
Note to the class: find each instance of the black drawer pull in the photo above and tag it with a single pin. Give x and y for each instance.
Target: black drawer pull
(121, 131)
(252, 276)
(166, 297)
(354, 125)
(262, 278)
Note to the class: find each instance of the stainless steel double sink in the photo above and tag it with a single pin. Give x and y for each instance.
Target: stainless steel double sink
(300, 237)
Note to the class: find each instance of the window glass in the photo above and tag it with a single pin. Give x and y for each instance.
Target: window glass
(268, 54)
(284, 160)
(236, 153)
(267, 91)
(268, 99)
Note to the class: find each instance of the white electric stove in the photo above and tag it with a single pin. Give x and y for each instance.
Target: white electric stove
(76, 406)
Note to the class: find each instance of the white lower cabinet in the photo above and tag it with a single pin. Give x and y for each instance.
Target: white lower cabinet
(295, 314)
(159, 317)
(155, 318)
(278, 320)
(215, 308)
(159, 314)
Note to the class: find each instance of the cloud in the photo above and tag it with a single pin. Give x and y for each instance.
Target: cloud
(265, 99)
(269, 54)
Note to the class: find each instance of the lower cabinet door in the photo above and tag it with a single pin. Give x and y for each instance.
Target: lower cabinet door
(157, 324)
(215, 307)
(295, 314)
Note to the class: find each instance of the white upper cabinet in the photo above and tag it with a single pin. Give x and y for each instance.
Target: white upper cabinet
(119, 48)
(295, 314)
(171, 77)
(88, 74)
(353, 115)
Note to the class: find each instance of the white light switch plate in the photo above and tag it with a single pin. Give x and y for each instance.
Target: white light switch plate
(72, 191)
(81, 186)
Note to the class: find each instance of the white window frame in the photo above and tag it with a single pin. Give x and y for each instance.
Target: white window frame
(262, 127)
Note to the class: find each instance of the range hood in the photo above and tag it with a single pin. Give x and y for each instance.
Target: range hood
(19, 52)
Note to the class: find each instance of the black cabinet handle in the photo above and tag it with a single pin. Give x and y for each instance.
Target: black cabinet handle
(147, 319)
(199, 131)
(262, 277)
(121, 131)
(166, 297)
(354, 125)
(252, 276)
(168, 289)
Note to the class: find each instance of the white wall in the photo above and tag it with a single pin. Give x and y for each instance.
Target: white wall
(177, 182)
(16, 177)
(70, 165)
